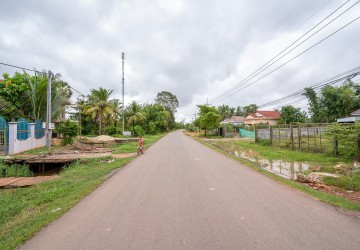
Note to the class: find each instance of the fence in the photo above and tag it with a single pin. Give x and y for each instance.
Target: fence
(319, 138)
(246, 133)
(4, 135)
(16, 137)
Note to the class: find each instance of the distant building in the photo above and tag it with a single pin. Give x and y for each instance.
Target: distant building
(234, 120)
(263, 117)
(353, 118)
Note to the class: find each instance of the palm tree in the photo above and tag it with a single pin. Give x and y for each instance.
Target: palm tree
(116, 107)
(36, 94)
(99, 106)
(134, 113)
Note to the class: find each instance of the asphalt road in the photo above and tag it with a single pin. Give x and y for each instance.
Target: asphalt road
(182, 195)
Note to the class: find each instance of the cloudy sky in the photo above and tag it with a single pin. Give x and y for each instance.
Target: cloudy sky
(196, 49)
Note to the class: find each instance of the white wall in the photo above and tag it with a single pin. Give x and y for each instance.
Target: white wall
(17, 146)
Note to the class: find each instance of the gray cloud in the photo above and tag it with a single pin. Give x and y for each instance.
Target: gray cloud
(195, 49)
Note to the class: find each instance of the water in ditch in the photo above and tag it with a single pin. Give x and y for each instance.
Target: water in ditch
(285, 169)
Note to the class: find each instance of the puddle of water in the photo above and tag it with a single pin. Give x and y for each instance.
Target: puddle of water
(285, 169)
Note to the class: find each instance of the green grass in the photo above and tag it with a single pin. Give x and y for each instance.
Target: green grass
(272, 153)
(24, 211)
(351, 182)
(131, 147)
(14, 170)
(41, 151)
(277, 154)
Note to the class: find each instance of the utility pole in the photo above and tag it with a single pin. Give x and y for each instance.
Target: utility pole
(48, 111)
(123, 90)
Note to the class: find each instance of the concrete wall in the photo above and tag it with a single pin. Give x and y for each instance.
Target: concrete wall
(17, 146)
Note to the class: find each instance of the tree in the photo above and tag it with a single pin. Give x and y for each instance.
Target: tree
(314, 105)
(333, 102)
(99, 106)
(156, 118)
(291, 114)
(168, 100)
(69, 130)
(116, 107)
(134, 114)
(224, 111)
(25, 96)
(170, 103)
(209, 118)
(249, 109)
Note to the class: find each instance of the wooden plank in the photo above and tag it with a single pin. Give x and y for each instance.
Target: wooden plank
(24, 181)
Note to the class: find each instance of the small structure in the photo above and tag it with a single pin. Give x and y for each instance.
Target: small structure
(234, 120)
(352, 119)
(263, 117)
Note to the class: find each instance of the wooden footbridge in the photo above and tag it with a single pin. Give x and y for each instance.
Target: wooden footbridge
(24, 181)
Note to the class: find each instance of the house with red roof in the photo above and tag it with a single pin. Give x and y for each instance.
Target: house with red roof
(263, 117)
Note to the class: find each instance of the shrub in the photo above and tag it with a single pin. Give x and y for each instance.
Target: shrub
(110, 130)
(15, 170)
(138, 130)
(69, 130)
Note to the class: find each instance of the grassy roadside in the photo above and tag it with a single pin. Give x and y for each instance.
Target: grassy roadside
(325, 197)
(24, 211)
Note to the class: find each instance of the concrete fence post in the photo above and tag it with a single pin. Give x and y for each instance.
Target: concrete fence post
(32, 135)
(13, 145)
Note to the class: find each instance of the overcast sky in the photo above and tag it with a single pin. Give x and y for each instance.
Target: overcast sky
(196, 49)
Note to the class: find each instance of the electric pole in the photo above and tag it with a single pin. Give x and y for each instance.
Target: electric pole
(123, 90)
(48, 111)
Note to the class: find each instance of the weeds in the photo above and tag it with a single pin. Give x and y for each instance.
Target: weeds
(15, 170)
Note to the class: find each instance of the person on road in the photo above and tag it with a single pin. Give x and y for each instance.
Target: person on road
(140, 145)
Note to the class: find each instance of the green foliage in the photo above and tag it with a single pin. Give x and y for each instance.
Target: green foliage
(170, 102)
(333, 102)
(135, 115)
(138, 130)
(25, 96)
(351, 182)
(348, 138)
(69, 130)
(156, 118)
(209, 118)
(110, 130)
(15, 170)
(100, 107)
(291, 114)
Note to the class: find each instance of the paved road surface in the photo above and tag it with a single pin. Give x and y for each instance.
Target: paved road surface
(182, 195)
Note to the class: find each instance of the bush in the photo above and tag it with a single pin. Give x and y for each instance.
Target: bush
(110, 130)
(138, 130)
(69, 130)
(15, 170)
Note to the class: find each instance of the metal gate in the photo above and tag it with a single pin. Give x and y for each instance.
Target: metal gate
(4, 137)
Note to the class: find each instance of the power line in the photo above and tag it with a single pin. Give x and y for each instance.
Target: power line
(303, 52)
(36, 71)
(261, 69)
(331, 81)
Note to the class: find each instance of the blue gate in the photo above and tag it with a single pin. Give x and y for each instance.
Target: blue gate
(4, 137)
(23, 129)
(39, 130)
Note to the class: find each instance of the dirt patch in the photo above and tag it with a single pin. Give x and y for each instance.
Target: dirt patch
(350, 195)
(121, 156)
(102, 138)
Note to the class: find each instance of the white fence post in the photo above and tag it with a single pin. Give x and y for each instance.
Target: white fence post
(12, 138)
